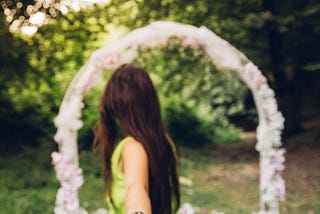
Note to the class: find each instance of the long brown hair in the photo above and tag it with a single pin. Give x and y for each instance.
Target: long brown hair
(130, 106)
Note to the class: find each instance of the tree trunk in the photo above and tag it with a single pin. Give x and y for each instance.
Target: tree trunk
(284, 71)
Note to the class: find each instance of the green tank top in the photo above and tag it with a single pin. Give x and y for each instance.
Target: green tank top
(117, 182)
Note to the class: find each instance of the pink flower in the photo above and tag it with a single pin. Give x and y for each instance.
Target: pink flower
(272, 180)
(70, 177)
(56, 157)
(254, 75)
(188, 42)
(109, 61)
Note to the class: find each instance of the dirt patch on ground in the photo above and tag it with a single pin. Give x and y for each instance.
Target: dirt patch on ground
(302, 172)
(233, 174)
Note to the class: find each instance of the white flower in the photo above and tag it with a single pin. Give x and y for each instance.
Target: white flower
(272, 182)
(188, 42)
(187, 209)
(109, 61)
(253, 75)
(70, 177)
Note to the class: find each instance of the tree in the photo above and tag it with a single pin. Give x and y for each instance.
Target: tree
(14, 68)
(36, 71)
(280, 36)
(294, 52)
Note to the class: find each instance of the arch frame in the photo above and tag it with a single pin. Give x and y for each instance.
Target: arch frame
(125, 50)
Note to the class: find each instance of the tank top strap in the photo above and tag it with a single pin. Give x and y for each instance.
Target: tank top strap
(116, 157)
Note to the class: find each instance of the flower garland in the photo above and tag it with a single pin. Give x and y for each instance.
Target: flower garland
(70, 177)
(272, 182)
(272, 185)
(223, 55)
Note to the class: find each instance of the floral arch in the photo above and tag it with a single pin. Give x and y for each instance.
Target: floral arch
(124, 50)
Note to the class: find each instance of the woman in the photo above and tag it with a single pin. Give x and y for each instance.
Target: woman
(139, 170)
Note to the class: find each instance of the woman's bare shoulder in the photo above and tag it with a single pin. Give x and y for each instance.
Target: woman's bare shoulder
(133, 153)
(132, 145)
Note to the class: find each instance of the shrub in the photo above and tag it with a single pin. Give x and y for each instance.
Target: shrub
(185, 125)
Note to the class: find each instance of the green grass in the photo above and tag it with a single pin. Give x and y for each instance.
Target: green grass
(214, 190)
(28, 183)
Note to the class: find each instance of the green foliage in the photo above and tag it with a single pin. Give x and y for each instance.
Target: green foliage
(38, 70)
(279, 36)
(189, 127)
(90, 116)
(51, 60)
(190, 74)
(186, 126)
(243, 23)
(229, 134)
(92, 193)
(239, 22)
(196, 97)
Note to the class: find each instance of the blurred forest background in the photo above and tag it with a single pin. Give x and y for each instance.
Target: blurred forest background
(201, 106)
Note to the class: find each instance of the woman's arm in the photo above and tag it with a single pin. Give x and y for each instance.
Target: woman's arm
(135, 169)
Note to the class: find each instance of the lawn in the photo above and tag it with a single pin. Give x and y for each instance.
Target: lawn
(222, 177)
